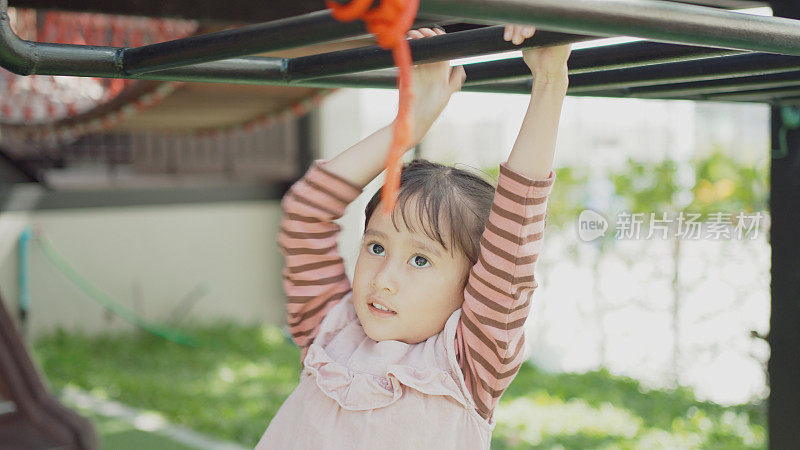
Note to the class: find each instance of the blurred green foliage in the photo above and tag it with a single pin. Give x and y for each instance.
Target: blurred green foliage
(648, 187)
(715, 183)
(710, 184)
(234, 384)
(723, 184)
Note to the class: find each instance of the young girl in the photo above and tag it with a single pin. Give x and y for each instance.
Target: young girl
(419, 349)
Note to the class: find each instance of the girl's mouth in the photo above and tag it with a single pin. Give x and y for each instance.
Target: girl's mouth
(380, 312)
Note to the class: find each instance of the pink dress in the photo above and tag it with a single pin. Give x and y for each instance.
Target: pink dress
(355, 393)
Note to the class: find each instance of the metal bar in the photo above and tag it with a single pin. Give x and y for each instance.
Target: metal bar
(784, 97)
(28, 58)
(762, 95)
(708, 69)
(435, 48)
(58, 59)
(280, 34)
(136, 60)
(624, 81)
(489, 40)
(783, 338)
(628, 55)
(292, 32)
(268, 71)
(655, 20)
(701, 88)
(786, 101)
(507, 87)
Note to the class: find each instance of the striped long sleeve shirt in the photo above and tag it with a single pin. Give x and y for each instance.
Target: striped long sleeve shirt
(497, 298)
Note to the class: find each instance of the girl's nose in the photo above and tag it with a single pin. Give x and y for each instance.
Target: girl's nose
(384, 281)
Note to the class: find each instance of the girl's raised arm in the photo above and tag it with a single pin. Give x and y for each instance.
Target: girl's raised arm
(314, 277)
(433, 83)
(497, 298)
(533, 151)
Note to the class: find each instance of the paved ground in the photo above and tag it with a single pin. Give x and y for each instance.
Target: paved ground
(121, 427)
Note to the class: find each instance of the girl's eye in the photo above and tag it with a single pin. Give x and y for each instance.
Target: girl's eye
(420, 261)
(375, 249)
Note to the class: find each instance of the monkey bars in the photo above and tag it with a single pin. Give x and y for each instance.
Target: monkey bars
(693, 44)
(690, 52)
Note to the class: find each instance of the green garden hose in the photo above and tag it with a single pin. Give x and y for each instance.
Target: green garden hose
(108, 303)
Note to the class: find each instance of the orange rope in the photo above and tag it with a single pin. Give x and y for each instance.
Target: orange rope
(390, 22)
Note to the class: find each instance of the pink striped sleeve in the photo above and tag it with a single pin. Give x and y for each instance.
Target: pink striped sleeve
(497, 297)
(314, 278)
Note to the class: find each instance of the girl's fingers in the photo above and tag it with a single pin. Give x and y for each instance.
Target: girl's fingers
(457, 77)
(414, 34)
(528, 31)
(516, 34)
(518, 38)
(425, 32)
(508, 32)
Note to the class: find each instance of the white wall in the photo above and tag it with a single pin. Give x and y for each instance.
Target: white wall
(148, 259)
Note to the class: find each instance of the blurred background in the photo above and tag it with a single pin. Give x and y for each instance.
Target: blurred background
(138, 253)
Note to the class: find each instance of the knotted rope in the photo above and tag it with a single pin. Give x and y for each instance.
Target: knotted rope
(390, 22)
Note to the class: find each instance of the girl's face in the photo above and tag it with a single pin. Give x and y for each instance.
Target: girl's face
(408, 273)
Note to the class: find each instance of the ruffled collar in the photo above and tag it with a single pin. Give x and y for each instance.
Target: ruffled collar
(360, 374)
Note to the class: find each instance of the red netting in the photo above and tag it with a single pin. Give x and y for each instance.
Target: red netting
(44, 99)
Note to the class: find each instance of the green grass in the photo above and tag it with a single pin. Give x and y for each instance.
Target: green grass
(233, 384)
(119, 434)
(598, 410)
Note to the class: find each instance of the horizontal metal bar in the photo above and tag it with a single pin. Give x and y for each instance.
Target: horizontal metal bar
(489, 40)
(636, 54)
(623, 81)
(720, 75)
(608, 57)
(701, 88)
(252, 70)
(280, 34)
(263, 70)
(293, 32)
(244, 40)
(765, 92)
(29, 58)
(506, 87)
(59, 59)
(655, 20)
(434, 48)
(762, 95)
(707, 69)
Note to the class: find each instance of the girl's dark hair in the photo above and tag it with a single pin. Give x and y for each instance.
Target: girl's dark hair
(460, 199)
